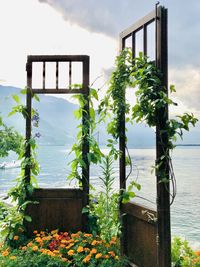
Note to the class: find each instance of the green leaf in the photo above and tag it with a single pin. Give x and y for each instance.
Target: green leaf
(16, 98)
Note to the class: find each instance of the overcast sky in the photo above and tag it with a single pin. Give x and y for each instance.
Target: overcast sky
(92, 27)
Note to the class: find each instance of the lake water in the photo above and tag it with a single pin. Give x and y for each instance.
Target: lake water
(185, 212)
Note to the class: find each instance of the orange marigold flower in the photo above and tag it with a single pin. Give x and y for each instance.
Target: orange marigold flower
(93, 251)
(75, 235)
(5, 253)
(80, 249)
(70, 252)
(106, 257)
(29, 244)
(111, 253)
(94, 243)
(35, 232)
(24, 248)
(13, 257)
(35, 248)
(197, 253)
(87, 259)
(86, 249)
(62, 245)
(99, 255)
(16, 237)
(87, 235)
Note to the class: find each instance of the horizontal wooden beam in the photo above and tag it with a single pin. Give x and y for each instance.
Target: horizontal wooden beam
(54, 58)
(138, 25)
(58, 91)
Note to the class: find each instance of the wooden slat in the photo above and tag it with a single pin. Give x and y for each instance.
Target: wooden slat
(44, 74)
(57, 74)
(70, 74)
(145, 40)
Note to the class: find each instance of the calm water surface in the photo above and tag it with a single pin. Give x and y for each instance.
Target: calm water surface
(185, 212)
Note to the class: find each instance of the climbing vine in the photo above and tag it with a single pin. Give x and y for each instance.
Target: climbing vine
(86, 132)
(13, 222)
(151, 96)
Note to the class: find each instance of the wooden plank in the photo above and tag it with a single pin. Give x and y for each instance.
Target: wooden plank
(141, 242)
(138, 25)
(139, 211)
(59, 208)
(54, 58)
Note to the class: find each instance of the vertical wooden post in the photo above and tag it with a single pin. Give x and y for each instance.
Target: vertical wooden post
(28, 120)
(163, 187)
(85, 132)
(122, 167)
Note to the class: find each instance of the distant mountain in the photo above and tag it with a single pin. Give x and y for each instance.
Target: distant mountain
(58, 125)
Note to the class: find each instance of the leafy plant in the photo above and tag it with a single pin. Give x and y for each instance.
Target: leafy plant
(56, 249)
(10, 140)
(21, 192)
(183, 255)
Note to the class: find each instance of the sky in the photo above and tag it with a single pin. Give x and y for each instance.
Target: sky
(92, 27)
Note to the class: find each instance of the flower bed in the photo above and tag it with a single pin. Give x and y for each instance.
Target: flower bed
(62, 249)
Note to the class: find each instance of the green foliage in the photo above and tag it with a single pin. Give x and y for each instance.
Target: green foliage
(30, 259)
(21, 192)
(151, 99)
(183, 255)
(105, 205)
(85, 134)
(10, 140)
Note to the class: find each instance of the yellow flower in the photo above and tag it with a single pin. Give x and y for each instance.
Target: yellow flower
(16, 237)
(62, 246)
(35, 248)
(86, 249)
(99, 255)
(70, 252)
(87, 259)
(12, 257)
(54, 232)
(80, 249)
(116, 257)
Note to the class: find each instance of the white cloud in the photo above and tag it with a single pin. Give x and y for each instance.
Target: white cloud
(29, 27)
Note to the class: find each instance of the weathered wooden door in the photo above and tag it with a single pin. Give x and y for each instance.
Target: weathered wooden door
(145, 241)
(58, 208)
